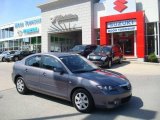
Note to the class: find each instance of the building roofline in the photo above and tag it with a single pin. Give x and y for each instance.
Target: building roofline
(46, 3)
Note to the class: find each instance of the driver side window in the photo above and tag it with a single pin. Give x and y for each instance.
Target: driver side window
(49, 63)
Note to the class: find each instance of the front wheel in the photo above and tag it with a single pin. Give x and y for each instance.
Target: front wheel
(109, 63)
(20, 86)
(83, 101)
(120, 60)
(16, 59)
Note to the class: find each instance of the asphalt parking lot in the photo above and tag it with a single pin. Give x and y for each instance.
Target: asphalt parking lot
(144, 104)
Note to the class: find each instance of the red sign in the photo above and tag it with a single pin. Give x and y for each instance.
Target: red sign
(120, 5)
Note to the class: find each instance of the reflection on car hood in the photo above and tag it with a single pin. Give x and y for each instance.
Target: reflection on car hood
(104, 77)
(99, 54)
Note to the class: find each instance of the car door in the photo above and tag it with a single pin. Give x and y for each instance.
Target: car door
(114, 53)
(32, 72)
(52, 82)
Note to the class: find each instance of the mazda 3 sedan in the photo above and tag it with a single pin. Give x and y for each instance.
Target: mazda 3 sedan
(73, 78)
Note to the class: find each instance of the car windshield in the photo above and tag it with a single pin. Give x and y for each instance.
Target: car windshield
(17, 52)
(98, 49)
(12, 52)
(106, 49)
(103, 49)
(79, 48)
(78, 64)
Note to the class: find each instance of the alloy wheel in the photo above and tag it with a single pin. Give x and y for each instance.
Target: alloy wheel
(81, 101)
(20, 85)
(16, 59)
(109, 64)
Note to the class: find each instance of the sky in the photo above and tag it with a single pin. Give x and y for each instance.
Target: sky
(15, 10)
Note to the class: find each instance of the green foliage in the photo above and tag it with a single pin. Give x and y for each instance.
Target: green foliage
(152, 58)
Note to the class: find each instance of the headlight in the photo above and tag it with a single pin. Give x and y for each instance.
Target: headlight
(103, 58)
(88, 57)
(106, 88)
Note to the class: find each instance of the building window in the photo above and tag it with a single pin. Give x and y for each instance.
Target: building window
(152, 38)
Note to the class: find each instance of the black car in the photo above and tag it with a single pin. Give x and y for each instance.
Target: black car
(106, 55)
(83, 50)
(18, 55)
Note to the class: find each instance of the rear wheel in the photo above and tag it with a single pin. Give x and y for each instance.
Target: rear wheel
(109, 63)
(120, 60)
(3, 59)
(20, 86)
(16, 59)
(82, 101)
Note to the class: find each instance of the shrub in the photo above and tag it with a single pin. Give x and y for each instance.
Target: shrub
(152, 58)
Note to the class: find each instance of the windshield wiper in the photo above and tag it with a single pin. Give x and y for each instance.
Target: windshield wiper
(94, 69)
(80, 71)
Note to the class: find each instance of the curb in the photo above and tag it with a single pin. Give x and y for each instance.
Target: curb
(137, 62)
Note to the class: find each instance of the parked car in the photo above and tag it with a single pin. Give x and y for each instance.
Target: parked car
(83, 50)
(73, 78)
(106, 55)
(4, 54)
(18, 55)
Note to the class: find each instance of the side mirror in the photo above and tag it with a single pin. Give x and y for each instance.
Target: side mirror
(58, 70)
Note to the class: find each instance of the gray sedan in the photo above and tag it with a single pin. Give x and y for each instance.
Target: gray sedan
(73, 78)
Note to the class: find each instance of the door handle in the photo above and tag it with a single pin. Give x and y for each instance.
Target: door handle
(44, 74)
(26, 70)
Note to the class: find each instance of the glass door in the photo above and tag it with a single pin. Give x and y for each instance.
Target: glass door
(126, 41)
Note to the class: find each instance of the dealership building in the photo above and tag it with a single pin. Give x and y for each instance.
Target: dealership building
(133, 24)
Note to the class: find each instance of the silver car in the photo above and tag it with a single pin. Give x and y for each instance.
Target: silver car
(73, 78)
(4, 54)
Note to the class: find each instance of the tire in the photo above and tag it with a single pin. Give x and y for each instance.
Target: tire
(120, 60)
(20, 86)
(109, 63)
(16, 59)
(82, 101)
(3, 59)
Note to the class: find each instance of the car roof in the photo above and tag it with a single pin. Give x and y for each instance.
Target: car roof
(109, 45)
(57, 54)
(86, 45)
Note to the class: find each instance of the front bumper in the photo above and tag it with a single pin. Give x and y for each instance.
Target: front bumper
(99, 63)
(112, 101)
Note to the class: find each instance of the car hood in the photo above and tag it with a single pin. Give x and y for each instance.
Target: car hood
(97, 55)
(2, 55)
(104, 77)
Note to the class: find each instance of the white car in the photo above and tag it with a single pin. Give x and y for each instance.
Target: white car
(4, 54)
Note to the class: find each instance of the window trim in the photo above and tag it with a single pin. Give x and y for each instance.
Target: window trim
(42, 58)
(26, 61)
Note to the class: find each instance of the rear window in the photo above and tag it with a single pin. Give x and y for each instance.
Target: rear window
(33, 61)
